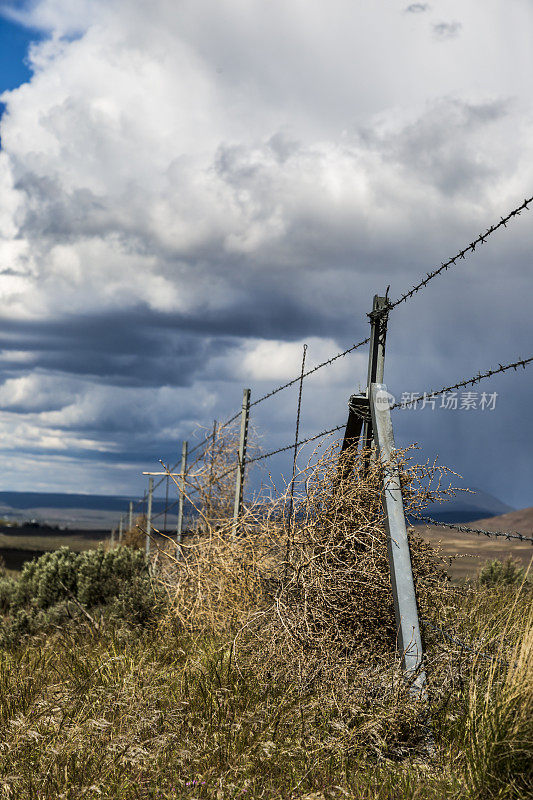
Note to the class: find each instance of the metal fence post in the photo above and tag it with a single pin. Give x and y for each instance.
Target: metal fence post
(181, 488)
(376, 358)
(149, 514)
(245, 416)
(403, 588)
(130, 517)
(359, 424)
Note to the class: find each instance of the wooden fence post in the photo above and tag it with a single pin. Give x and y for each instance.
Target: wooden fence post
(149, 514)
(245, 415)
(183, 472)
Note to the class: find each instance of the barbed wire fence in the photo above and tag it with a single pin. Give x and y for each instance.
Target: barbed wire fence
(359, 415)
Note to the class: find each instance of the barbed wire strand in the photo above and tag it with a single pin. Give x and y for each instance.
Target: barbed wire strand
(310, 372)
(457, 641)
(291, 446)
(481, 239)
(479, 531)
(471, 381)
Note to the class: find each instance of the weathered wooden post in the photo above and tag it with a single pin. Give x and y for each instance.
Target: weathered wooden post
(181, 489)
(245, 415)
(211, 468)
(130, 517)
(120, 529)
(359, 424)
(149, 514)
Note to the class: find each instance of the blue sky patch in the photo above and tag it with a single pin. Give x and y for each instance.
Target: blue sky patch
(15, 40)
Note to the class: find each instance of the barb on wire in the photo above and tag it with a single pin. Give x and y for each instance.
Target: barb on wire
(479, 531)
(291, 446)
(481, 239)
(471, 381)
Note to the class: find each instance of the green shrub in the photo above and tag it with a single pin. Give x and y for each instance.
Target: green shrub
(57, 586)
(102, 575)
(137, 602)
(8, 587)
(93, 577)
(47, 579)
(501, 573)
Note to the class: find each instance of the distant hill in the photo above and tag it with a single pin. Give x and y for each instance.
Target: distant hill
(90, 511)
(520, 521)
(466, 507)
(99, 511)
(28, 500)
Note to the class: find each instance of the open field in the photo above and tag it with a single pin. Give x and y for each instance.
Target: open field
(18, 545)
(468, 551)
(465, 553)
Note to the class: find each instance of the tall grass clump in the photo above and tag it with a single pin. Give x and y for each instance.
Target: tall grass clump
(497, 733)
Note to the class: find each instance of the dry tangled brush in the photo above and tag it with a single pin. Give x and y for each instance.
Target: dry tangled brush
(317, 582)
(307, 599)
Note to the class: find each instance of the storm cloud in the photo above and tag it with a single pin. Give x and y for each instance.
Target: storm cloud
(189, 193)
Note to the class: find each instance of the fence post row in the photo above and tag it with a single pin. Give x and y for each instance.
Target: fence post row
(183, 470)
(245, 415)
(149, 514)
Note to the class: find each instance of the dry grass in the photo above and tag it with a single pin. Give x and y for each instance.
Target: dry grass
(273, 673)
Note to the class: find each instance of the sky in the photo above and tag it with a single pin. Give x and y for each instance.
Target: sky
(190, 190)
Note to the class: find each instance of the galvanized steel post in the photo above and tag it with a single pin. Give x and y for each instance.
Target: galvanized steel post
(245, 415)
(181, 488)
(403, 588)
(149, 514)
